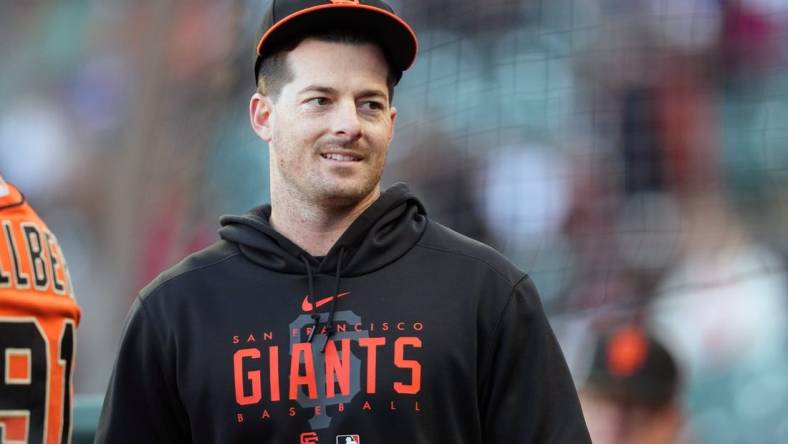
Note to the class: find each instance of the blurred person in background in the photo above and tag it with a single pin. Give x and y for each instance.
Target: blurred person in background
(338, 312)
(722, 307)
(38, 319)
(446, 182)
(631, 393)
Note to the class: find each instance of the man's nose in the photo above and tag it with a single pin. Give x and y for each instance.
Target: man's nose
(346, 121)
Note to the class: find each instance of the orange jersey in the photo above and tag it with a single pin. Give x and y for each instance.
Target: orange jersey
(38, 318)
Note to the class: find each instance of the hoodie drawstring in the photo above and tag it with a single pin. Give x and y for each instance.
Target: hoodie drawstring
(338, 279)
(311, 283)
(315, 316)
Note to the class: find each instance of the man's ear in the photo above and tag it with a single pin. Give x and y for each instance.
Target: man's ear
(393, 116)
(260, 110)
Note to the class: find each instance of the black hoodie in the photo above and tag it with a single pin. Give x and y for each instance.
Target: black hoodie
(404, 332)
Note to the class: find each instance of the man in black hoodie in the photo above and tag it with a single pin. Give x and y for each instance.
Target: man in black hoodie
(338, 313)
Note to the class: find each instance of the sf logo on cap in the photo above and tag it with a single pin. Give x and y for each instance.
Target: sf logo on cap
(345, 1)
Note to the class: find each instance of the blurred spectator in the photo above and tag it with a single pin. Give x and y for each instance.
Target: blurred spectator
(630, 395)
(447, 182)
(722, 306)
(747, 42)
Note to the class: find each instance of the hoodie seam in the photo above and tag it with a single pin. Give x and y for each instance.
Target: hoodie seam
(477, 259)
(506, 305)
(166, 281)
(496, 330)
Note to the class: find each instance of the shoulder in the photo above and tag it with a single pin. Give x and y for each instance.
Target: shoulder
(468, 252)
(10, 197)
(193, 268)
(14, 207)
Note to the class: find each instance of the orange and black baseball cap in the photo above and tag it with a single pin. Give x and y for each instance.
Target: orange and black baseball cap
(630, 364)
(287, 21)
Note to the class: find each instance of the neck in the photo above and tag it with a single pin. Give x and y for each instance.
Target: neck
(313, 226)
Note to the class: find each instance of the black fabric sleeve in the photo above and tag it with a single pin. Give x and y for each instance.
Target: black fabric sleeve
(142, 403)
(526, 392)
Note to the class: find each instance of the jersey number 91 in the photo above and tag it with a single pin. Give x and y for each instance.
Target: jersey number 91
(36, 366)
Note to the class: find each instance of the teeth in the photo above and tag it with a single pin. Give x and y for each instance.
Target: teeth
(339, 157)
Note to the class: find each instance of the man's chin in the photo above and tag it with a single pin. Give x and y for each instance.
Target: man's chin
(348, 195)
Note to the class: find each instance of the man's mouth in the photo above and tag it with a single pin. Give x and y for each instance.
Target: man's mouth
(340, 157)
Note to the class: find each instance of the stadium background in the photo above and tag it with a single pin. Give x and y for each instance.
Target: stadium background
(632, 155)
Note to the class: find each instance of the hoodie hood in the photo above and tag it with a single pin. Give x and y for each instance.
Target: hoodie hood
(384, 232)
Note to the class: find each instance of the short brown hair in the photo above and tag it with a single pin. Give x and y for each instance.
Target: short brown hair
(275, 72)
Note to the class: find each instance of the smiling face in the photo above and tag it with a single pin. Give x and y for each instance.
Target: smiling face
(330, 127)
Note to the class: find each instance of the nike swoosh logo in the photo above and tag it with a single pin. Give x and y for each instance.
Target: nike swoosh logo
(307, 306)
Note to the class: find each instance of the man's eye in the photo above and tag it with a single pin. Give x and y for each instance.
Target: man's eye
(373, 105)
(320, 101)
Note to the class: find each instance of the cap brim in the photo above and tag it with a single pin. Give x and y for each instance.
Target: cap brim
(394, 34)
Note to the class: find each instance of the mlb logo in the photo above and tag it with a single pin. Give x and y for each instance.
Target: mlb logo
(348, 439)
